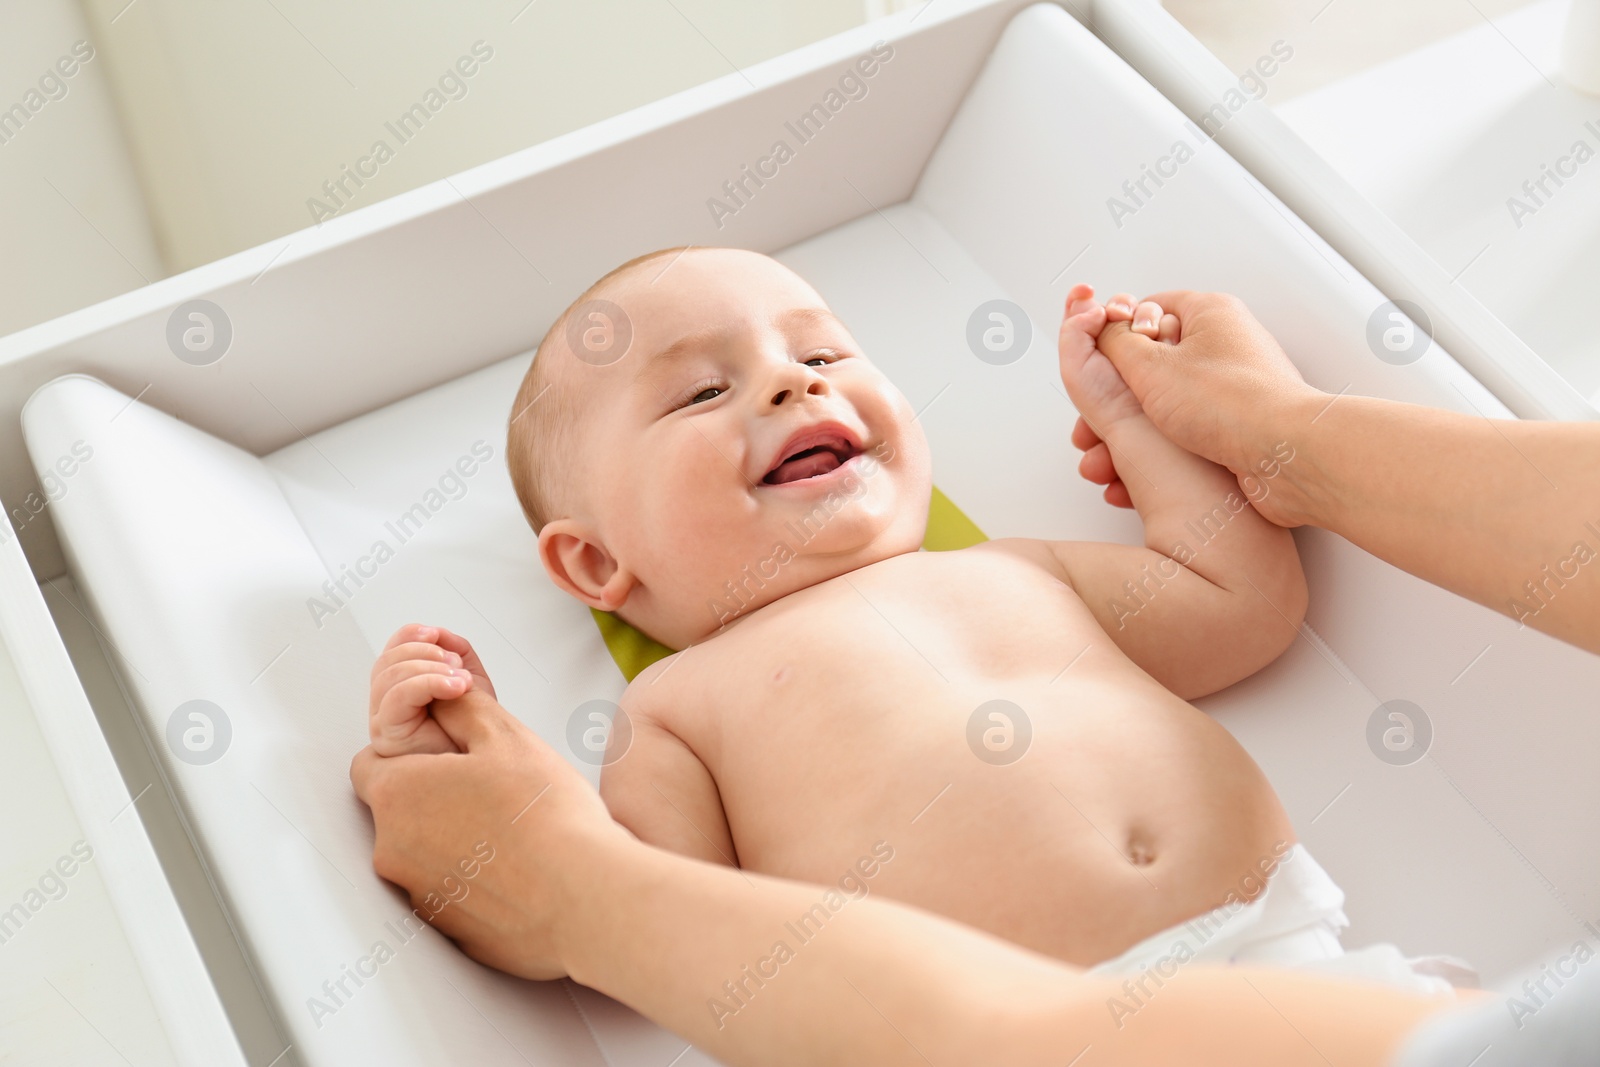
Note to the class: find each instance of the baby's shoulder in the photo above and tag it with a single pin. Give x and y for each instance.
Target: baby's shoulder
(647, 681)
(1020, 556)
(661, 686)
(1030, 549)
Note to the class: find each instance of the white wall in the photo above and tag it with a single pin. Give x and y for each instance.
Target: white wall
(239, 112)
(73, 229)
(1330, 40)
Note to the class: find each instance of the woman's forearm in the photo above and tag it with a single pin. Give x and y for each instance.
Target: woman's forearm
(758, 970)
(1503, 512)
(749, 969)
(1506, 513)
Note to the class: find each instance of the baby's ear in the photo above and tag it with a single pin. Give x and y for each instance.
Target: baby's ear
(578, 562)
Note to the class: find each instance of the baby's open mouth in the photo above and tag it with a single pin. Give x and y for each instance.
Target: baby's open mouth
(812, 454)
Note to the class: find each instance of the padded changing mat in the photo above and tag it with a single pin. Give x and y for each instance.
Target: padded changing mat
(258, 583)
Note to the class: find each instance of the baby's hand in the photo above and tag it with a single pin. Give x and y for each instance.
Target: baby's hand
(419, 665)
(1096, 389)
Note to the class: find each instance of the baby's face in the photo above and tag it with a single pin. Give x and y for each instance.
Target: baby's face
(743, 447)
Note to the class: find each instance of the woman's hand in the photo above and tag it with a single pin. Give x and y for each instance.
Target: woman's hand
(499, 792)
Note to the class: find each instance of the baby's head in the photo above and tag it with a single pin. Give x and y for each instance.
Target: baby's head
(699, 436)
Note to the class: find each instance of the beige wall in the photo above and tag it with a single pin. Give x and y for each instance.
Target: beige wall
(239, 112)
(200, 129)
(74, 228)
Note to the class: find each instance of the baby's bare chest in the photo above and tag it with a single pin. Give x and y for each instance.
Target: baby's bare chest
(881, 653)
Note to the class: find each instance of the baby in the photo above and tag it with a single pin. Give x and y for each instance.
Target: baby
(998, 720)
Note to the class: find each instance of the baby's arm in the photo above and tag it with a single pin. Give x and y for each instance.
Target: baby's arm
(1217, 592)
(665, 796)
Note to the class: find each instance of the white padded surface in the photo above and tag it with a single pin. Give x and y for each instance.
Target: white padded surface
(198, 572)
(198, 560)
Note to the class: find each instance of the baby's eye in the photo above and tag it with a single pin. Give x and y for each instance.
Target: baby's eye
(700, 392)
(822, 356)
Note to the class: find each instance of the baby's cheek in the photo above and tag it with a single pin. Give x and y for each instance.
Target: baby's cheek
(686, 503)
(682, 523)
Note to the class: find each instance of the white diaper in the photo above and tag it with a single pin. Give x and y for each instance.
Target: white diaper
(1294, 922)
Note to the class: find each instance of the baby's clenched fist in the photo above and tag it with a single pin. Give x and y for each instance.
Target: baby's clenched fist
(419, 665)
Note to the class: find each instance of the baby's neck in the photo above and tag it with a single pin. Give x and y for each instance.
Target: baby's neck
(751, 590)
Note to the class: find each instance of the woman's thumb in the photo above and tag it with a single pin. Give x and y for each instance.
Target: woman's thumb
(1135, 356)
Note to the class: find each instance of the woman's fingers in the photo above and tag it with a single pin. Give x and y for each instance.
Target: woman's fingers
(1096, 466)
(460, 646)
(1147, 318)
(1083, 435)
(1171, 331)
(1120, 307)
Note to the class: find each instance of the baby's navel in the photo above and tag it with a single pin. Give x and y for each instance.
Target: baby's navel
(1140, 852)
(779, 675)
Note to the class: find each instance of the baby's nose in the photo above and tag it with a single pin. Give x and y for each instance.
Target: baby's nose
(817, 386)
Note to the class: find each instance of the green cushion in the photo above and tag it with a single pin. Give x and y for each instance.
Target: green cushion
(948, 529)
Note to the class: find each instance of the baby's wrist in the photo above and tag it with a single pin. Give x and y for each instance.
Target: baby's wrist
(1125, 429)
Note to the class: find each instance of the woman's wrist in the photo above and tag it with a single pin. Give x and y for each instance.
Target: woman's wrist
(1277, 464)
(596, 874)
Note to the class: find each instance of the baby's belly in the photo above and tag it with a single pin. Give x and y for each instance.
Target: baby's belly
(1075, 815)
